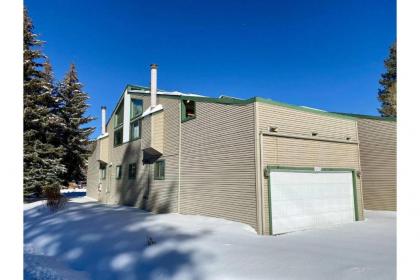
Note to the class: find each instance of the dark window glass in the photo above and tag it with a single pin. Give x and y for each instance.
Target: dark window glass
(136, 107)
(102, 171)
(118, 136)
(118, 172)
(119, 115)
(135, 129)
(188, 110)
(132, 170)
(160, 170)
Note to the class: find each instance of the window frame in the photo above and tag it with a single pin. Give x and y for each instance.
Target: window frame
(130, 175)
(132, 117)
(117, 130)
(118, 175)
(158, 167)
(102, 171)
(184, 116)
(138, 119)
(119, 127)
(119, 108)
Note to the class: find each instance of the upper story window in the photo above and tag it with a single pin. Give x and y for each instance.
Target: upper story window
(118, 124)
(118, 136)
(119, 115)
(135, 129)
(136, 108)
(188, 110)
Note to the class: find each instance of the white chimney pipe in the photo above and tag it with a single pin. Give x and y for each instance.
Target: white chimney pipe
(103, 127)
(153, 84)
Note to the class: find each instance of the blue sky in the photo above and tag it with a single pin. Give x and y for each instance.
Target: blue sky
(323, 54)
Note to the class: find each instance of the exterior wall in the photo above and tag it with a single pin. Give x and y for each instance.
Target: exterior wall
(103, 145)
(158, 130)
(378, 156)
(93, 173)
(218, 163)
(143, 191)
(295, 152)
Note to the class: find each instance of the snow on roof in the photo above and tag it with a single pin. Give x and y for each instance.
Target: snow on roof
(312, 108)
(152, 110)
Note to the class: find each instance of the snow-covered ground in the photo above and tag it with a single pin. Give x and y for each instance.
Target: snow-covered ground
(87, 240)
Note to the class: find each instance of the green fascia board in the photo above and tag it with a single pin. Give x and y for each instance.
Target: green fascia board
(360, 116)
(307, 169)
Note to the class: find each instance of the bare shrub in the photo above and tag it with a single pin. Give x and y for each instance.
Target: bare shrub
(150, 241)
(55, 200)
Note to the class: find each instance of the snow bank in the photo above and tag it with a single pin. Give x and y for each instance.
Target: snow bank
(87, 239)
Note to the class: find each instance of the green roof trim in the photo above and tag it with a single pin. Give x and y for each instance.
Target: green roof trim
(370, 117)
(237, 101)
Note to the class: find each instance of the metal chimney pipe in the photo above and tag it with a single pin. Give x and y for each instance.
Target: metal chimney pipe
(103, 127)
(153, 84)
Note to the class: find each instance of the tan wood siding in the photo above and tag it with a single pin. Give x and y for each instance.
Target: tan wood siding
(378, 155)
(103, 144)
(93, 173)
(158, 130)
(293, 152)
(291, 121)
(161, 195)
(218, 163)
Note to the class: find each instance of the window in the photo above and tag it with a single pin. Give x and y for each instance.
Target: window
(118, 172)
(136, 108)
(135, 113)
(118, 124)
(118, 136)
(102, 171)
(132, 170)
(188, 110)
(135, 129)
(160, 170)
(119, 115)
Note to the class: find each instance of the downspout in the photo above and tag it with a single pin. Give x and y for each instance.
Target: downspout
(361, 172)
(258, 193)
(179, 159)
(261, 165)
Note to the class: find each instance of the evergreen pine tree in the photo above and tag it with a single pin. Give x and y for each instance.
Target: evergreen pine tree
(75, 136)
(42, 167)
(387, 94)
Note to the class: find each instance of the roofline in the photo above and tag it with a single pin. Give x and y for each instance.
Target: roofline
(304, 109)
(237, 101)
(370, 117)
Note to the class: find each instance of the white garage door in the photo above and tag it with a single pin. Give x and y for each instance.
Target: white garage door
(303, 200)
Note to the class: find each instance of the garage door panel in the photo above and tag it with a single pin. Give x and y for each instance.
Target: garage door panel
(303, 200)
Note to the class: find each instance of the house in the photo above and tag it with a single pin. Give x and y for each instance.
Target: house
(271, 165)
(378, 158)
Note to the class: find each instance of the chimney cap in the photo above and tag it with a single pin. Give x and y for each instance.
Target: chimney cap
(103, 107)
(153, 66)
